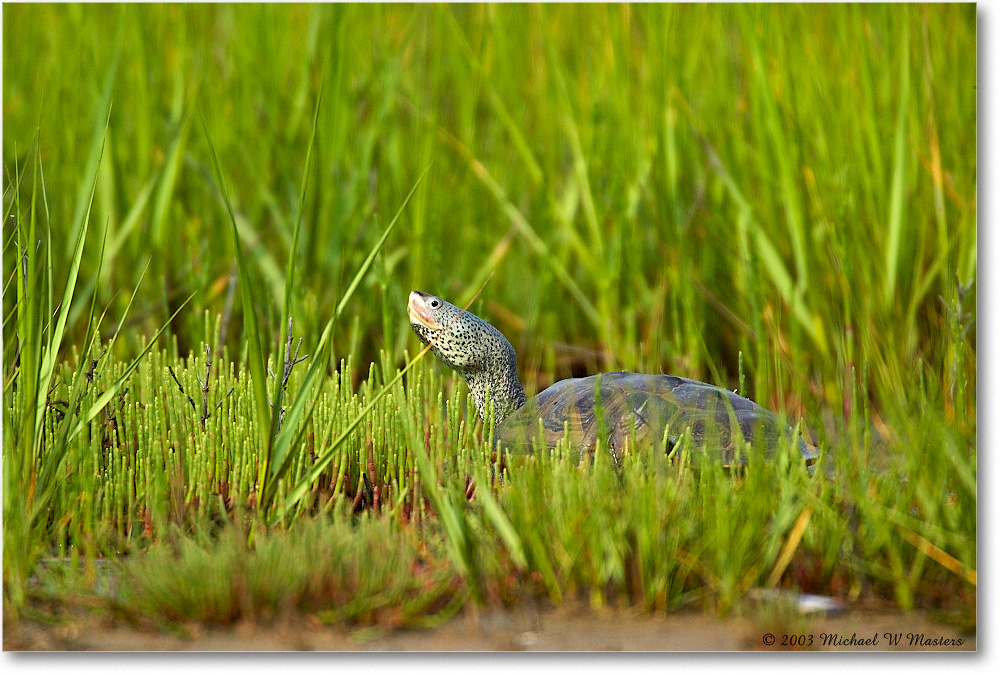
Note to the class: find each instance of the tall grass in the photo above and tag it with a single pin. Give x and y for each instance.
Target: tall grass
(39, 436)
(625, 160)
(659, 534)
(657, 188)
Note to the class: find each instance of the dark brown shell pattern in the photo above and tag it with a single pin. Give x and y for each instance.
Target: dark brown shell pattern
(642, 409)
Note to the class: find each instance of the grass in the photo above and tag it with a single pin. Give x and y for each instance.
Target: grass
(781, 199)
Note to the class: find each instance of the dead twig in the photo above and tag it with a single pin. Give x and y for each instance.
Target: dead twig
(290, 362)
(194, 406)
(204, 386)
(93, 366)
(228, 393)
(376, 489)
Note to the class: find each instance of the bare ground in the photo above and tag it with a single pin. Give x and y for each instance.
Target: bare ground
(548, 630)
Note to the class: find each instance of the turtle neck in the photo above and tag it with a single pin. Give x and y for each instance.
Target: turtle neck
(498, 376)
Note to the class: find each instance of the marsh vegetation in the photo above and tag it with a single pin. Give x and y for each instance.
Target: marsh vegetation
(213, 216)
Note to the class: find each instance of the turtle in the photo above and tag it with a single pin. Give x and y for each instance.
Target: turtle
(618, 408)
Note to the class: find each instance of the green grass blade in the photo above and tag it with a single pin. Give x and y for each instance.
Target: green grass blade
(496, 101)
(167, 183)
(284, 444)
(278, 450)
(293, 251)
(112, 390)
(295, 418)
(283, 455)
(535, 242)
(52, 459)
(94, 410)
(784, 157)
(773, 263)
(897, 194)
(99, 138)
(501, 523)
(132, 219)
(376, 248)
(452, 515)
(255, 354)
(55, 340)
(28, 309)
(299, 490)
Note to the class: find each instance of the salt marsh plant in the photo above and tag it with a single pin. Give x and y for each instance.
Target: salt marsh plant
(780, 199)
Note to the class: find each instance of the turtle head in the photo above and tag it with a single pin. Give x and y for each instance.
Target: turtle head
(471, 346)
(458, 338)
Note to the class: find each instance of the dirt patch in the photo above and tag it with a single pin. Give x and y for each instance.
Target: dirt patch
(550, 630)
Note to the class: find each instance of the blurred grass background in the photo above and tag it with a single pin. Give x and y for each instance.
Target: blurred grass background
(658, 186)
(788, 190)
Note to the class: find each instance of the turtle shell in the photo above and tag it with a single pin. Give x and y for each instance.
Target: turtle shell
(631, 407)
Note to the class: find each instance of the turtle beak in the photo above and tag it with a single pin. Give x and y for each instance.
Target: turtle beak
(419, 313)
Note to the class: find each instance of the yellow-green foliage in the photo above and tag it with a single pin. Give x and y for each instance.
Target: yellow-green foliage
(783, 191)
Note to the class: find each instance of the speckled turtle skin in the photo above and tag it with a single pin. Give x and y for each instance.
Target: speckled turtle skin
(472, 347)
(622, 408)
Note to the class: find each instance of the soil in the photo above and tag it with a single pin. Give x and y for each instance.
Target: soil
(548, 630)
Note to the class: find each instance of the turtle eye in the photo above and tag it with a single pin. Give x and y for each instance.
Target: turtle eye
(435, 303)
